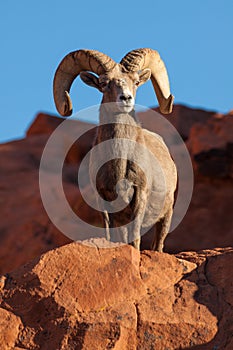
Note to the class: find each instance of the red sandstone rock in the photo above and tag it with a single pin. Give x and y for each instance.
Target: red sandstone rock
(85, 297)
(9, 329)
(25, 229)
(45, 124)
(211, 145)
(215, 133)
(182, 118)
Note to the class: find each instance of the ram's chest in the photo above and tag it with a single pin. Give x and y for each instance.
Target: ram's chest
(115, 160)
(114, 171)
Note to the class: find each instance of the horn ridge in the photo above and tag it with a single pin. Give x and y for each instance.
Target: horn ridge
(70, 67)
(139, 59)
(134, 60)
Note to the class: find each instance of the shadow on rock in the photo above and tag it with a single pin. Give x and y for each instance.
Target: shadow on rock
(215, 291)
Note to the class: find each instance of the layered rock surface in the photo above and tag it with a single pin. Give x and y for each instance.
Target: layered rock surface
(86, 297)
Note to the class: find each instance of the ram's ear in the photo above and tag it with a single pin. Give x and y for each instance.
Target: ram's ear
(144, 75)
(90, 79)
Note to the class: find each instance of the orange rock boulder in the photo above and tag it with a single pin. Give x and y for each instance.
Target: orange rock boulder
(86, 297)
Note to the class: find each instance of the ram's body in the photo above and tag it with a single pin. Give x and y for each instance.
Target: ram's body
(148, 196)
(139, 174)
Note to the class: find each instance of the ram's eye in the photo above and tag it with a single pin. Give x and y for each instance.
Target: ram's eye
(137, 82)
(104, 84)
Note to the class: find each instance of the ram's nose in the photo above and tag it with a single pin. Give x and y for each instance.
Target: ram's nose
(126, 97)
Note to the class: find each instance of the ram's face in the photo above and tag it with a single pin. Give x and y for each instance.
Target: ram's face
(117, 86)
(120, 88)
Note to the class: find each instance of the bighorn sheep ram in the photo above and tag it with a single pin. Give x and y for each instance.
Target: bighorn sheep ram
(122, 177)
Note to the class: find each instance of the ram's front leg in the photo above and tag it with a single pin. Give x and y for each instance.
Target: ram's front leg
(136, 243)
(105, 216)
(138, 215)
(106, 224)
(118, 231)
(114, 233)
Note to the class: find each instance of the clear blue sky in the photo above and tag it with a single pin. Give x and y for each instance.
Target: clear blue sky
(194, 38)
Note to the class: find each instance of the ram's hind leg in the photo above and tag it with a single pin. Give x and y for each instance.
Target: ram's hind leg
(162, 228)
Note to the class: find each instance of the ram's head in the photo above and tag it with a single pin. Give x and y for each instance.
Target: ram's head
(117, 81)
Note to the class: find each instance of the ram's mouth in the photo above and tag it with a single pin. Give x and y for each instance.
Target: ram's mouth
(125, 107)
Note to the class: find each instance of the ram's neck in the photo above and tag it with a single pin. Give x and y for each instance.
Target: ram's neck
(109, 113)
(117, 124)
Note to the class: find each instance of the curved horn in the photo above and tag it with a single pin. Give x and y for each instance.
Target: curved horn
(69, 68)
(147, 58)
